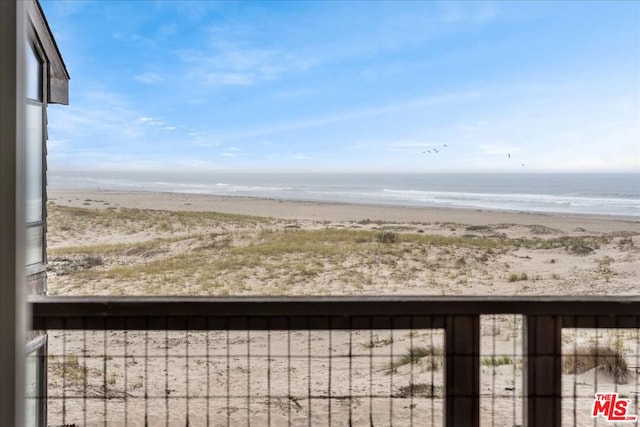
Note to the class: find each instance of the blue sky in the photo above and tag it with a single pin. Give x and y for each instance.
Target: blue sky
(348, 86)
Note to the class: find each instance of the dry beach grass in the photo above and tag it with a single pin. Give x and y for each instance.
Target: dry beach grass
(118, 243)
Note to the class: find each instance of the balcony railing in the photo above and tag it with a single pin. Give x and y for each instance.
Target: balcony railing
(336, 360)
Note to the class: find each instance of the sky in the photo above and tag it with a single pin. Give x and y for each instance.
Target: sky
(347, 86)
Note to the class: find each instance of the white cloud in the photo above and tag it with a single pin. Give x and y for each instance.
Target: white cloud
(151, 121)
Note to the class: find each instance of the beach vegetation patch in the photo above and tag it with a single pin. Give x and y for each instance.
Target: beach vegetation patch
(479, 228)
(424, 390)
(69, 367)
(625, 243)
(387, 237)
(79, 220)
(604, 267)
(376, 341)
(576, 245)
(542, 229)
(497, 361)
(513, 277)
(415, 354)
(580, 249)
(63, 266)
(601, 357)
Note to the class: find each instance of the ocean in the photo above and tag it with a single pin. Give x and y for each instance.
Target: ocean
(594, 193)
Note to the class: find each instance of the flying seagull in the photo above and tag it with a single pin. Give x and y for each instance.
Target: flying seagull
(522, 164)
(435, 150)
(509, 154)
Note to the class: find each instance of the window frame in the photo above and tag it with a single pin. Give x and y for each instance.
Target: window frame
(36, 47)
(21, 22)
(38, 348)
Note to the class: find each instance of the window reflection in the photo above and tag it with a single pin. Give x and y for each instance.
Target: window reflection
(33, 154)
(32, 390)
(34, 74)
(34, 240)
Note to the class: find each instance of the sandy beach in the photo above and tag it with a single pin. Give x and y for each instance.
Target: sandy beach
(435, 251)
(137, 243)
(316, 211)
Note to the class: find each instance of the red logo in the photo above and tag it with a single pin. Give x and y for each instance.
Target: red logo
(611, 408)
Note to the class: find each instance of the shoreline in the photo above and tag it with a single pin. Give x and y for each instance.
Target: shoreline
(336, 211)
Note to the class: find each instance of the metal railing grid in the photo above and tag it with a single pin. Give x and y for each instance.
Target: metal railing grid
(335, 361)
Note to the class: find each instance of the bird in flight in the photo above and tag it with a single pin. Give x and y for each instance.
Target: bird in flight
(509, 155)
(434, 150)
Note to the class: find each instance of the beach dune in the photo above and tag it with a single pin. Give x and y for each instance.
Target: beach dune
(144, 243)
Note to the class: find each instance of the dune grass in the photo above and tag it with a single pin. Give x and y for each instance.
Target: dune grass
(214, 253)
(605, 358)
(433, 355)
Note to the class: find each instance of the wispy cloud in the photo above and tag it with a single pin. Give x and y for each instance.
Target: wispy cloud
(235, 53)
(227, 63)
(150, 121)
(347, 85)
(464, 12)
(132, 38)
(103, 125)
(362, 113)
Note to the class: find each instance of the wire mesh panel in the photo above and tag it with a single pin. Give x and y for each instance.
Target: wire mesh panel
(501, 370)
(313, 371)
(600, 376)
(461, 361)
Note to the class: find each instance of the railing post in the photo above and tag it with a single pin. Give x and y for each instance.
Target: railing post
(543, 374)
(462, 375)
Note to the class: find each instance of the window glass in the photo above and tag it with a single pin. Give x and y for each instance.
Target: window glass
(33, 155)
(32, 389)
(34, 244)
(34, 74)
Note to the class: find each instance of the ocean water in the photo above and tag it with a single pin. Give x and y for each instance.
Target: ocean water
(604, 194)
